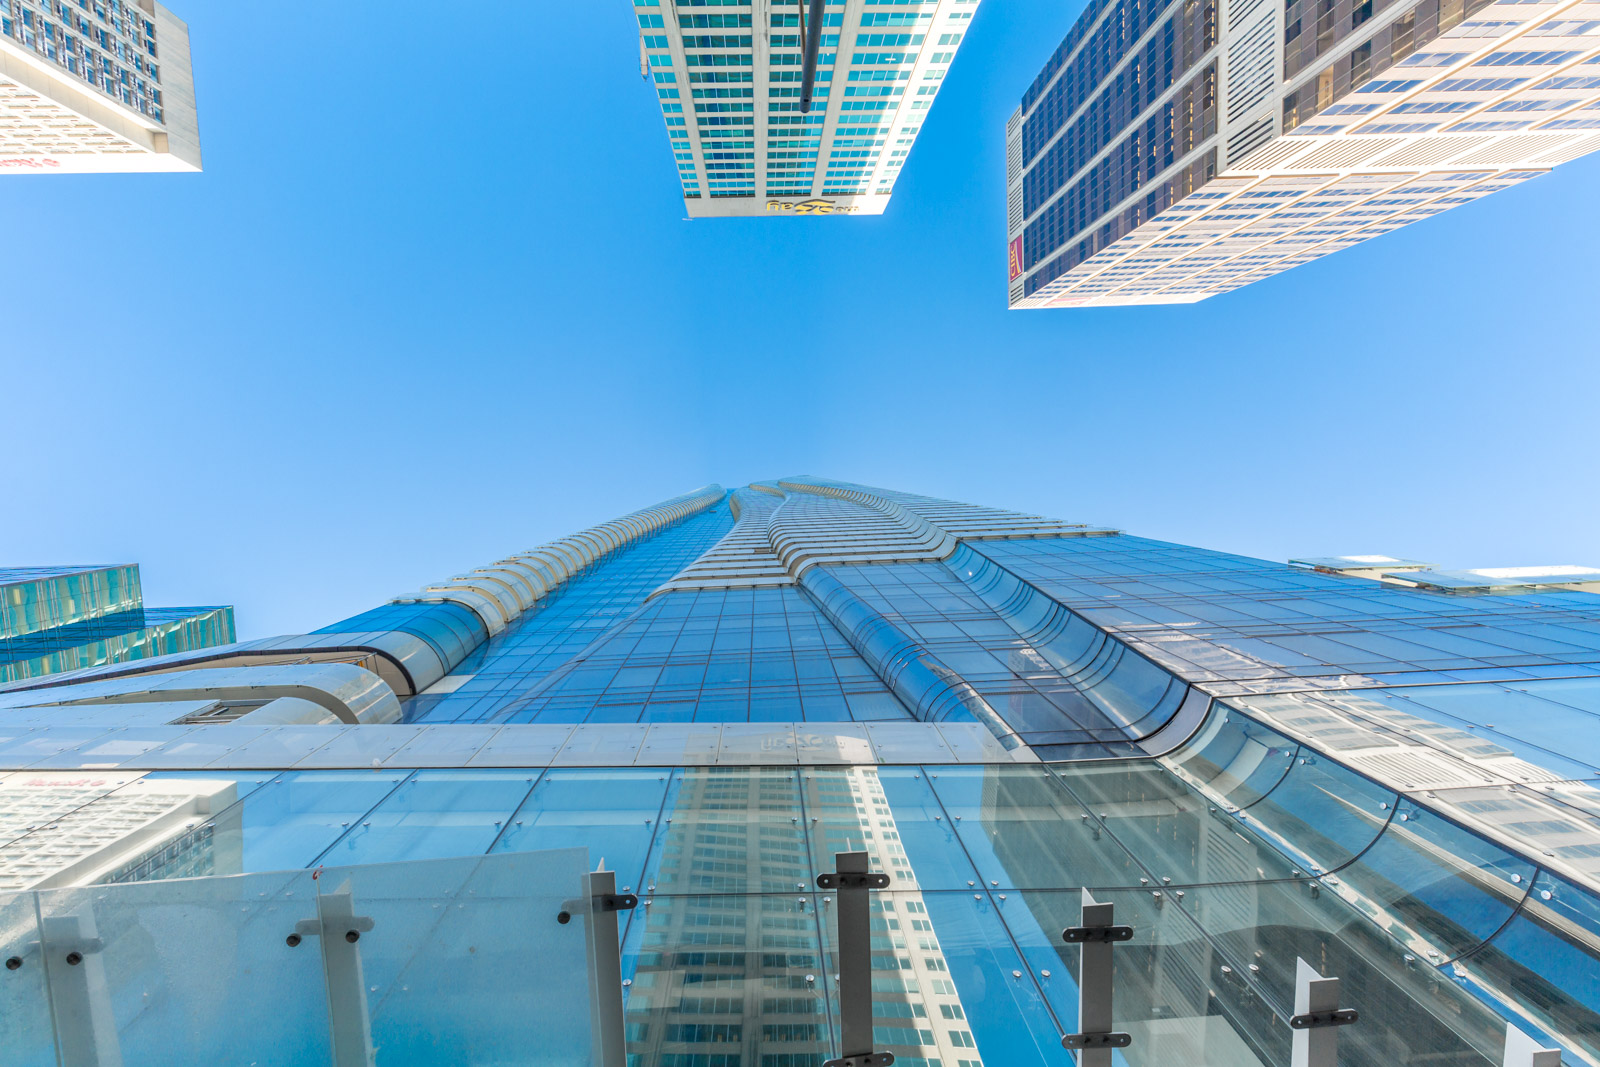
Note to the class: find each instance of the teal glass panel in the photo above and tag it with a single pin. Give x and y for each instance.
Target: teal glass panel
(726, 980)
(464, 961)
(1024, 830)
(435, 814)
(1547, 962)
(1170, 989)
(29, 1039)
(290, 822)
(934, 853)
(732, 830)
(186, 971)
(611, 812)
(1178, 836)
(949, 985)
(1410, 1011)
(1435, 887)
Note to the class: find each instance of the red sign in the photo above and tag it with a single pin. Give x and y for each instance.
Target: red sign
(1016, 259)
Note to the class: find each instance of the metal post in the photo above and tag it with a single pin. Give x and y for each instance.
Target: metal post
(1095, 936)
(808, 72)
(86, 1029)
(853, 883)
(1317, 1018)
(340, 928)
(605, 968)
(1524, 1051)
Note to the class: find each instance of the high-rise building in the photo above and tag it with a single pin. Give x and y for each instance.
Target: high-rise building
(1378, 768)
(94, 86)
(729, 79)
(1171, 151)
(55, 619)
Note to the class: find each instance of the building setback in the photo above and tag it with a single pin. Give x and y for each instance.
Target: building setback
(1170, 151)
(95, 86)
(379, 831)
(729, 81)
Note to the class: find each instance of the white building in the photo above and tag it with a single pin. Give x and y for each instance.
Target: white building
(95, 86)
(729, 77)
(1289, 131)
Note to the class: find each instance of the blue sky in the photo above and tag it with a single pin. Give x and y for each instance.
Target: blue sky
(433, 301)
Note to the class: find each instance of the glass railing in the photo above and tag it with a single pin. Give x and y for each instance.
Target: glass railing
(442, 961)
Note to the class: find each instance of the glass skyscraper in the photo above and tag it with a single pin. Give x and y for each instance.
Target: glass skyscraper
(728, 76)
(1380, 769)
(1172, 151)
(55, 619)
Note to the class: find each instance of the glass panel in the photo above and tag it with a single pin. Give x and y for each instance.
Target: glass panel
(948, 984)
(1547, 962)
(24, 1003)
(1170, 991)
(732, 830)
(612, 813)
(1023, 830)
(186, 971)
(464, 960)
(435, 814)
(892, 815)
(725, 981)
(1410, 1012)
(1234, 758)
(1433, 885)
(290, 822)
(1180, 837)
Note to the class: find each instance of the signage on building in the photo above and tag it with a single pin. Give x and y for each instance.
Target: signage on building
(813, 206)
(1016, 259)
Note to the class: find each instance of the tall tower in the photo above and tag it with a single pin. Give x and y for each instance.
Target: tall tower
(95, 87)
(1175, 150)
(729, 79)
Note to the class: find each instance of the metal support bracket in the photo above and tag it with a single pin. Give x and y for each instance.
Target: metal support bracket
(1096, 933)
(854, 883)
(600, 902)
(1087, 1041)
(1078, 935)
(1317, 1018)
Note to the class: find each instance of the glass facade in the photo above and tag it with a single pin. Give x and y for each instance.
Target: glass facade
(1255, 763)
(729, 76)
(1169, 152)
(55, 619)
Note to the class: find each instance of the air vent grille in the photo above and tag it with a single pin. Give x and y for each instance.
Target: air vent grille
(1427, 151)
(1351, 152)
(1252, 69)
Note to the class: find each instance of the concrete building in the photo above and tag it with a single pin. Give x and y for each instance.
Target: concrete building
(95, 86)
(1172, 151)
(728, 79)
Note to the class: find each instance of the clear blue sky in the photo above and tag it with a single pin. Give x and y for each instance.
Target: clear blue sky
(433, 301)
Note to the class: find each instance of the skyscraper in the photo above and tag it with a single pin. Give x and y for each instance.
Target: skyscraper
(729, 79)
(1256, 764)
(55, 619)
(1168, 152)
(95, 87)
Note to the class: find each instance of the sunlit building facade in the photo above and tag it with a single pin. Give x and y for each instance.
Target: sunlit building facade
(1173, 151)
(728, 78)
(1360, 762)
(55, 619)
(95, 86)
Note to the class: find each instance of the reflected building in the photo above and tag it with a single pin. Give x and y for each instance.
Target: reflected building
(1169, 152)
(1363, 762)
(95, 88)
